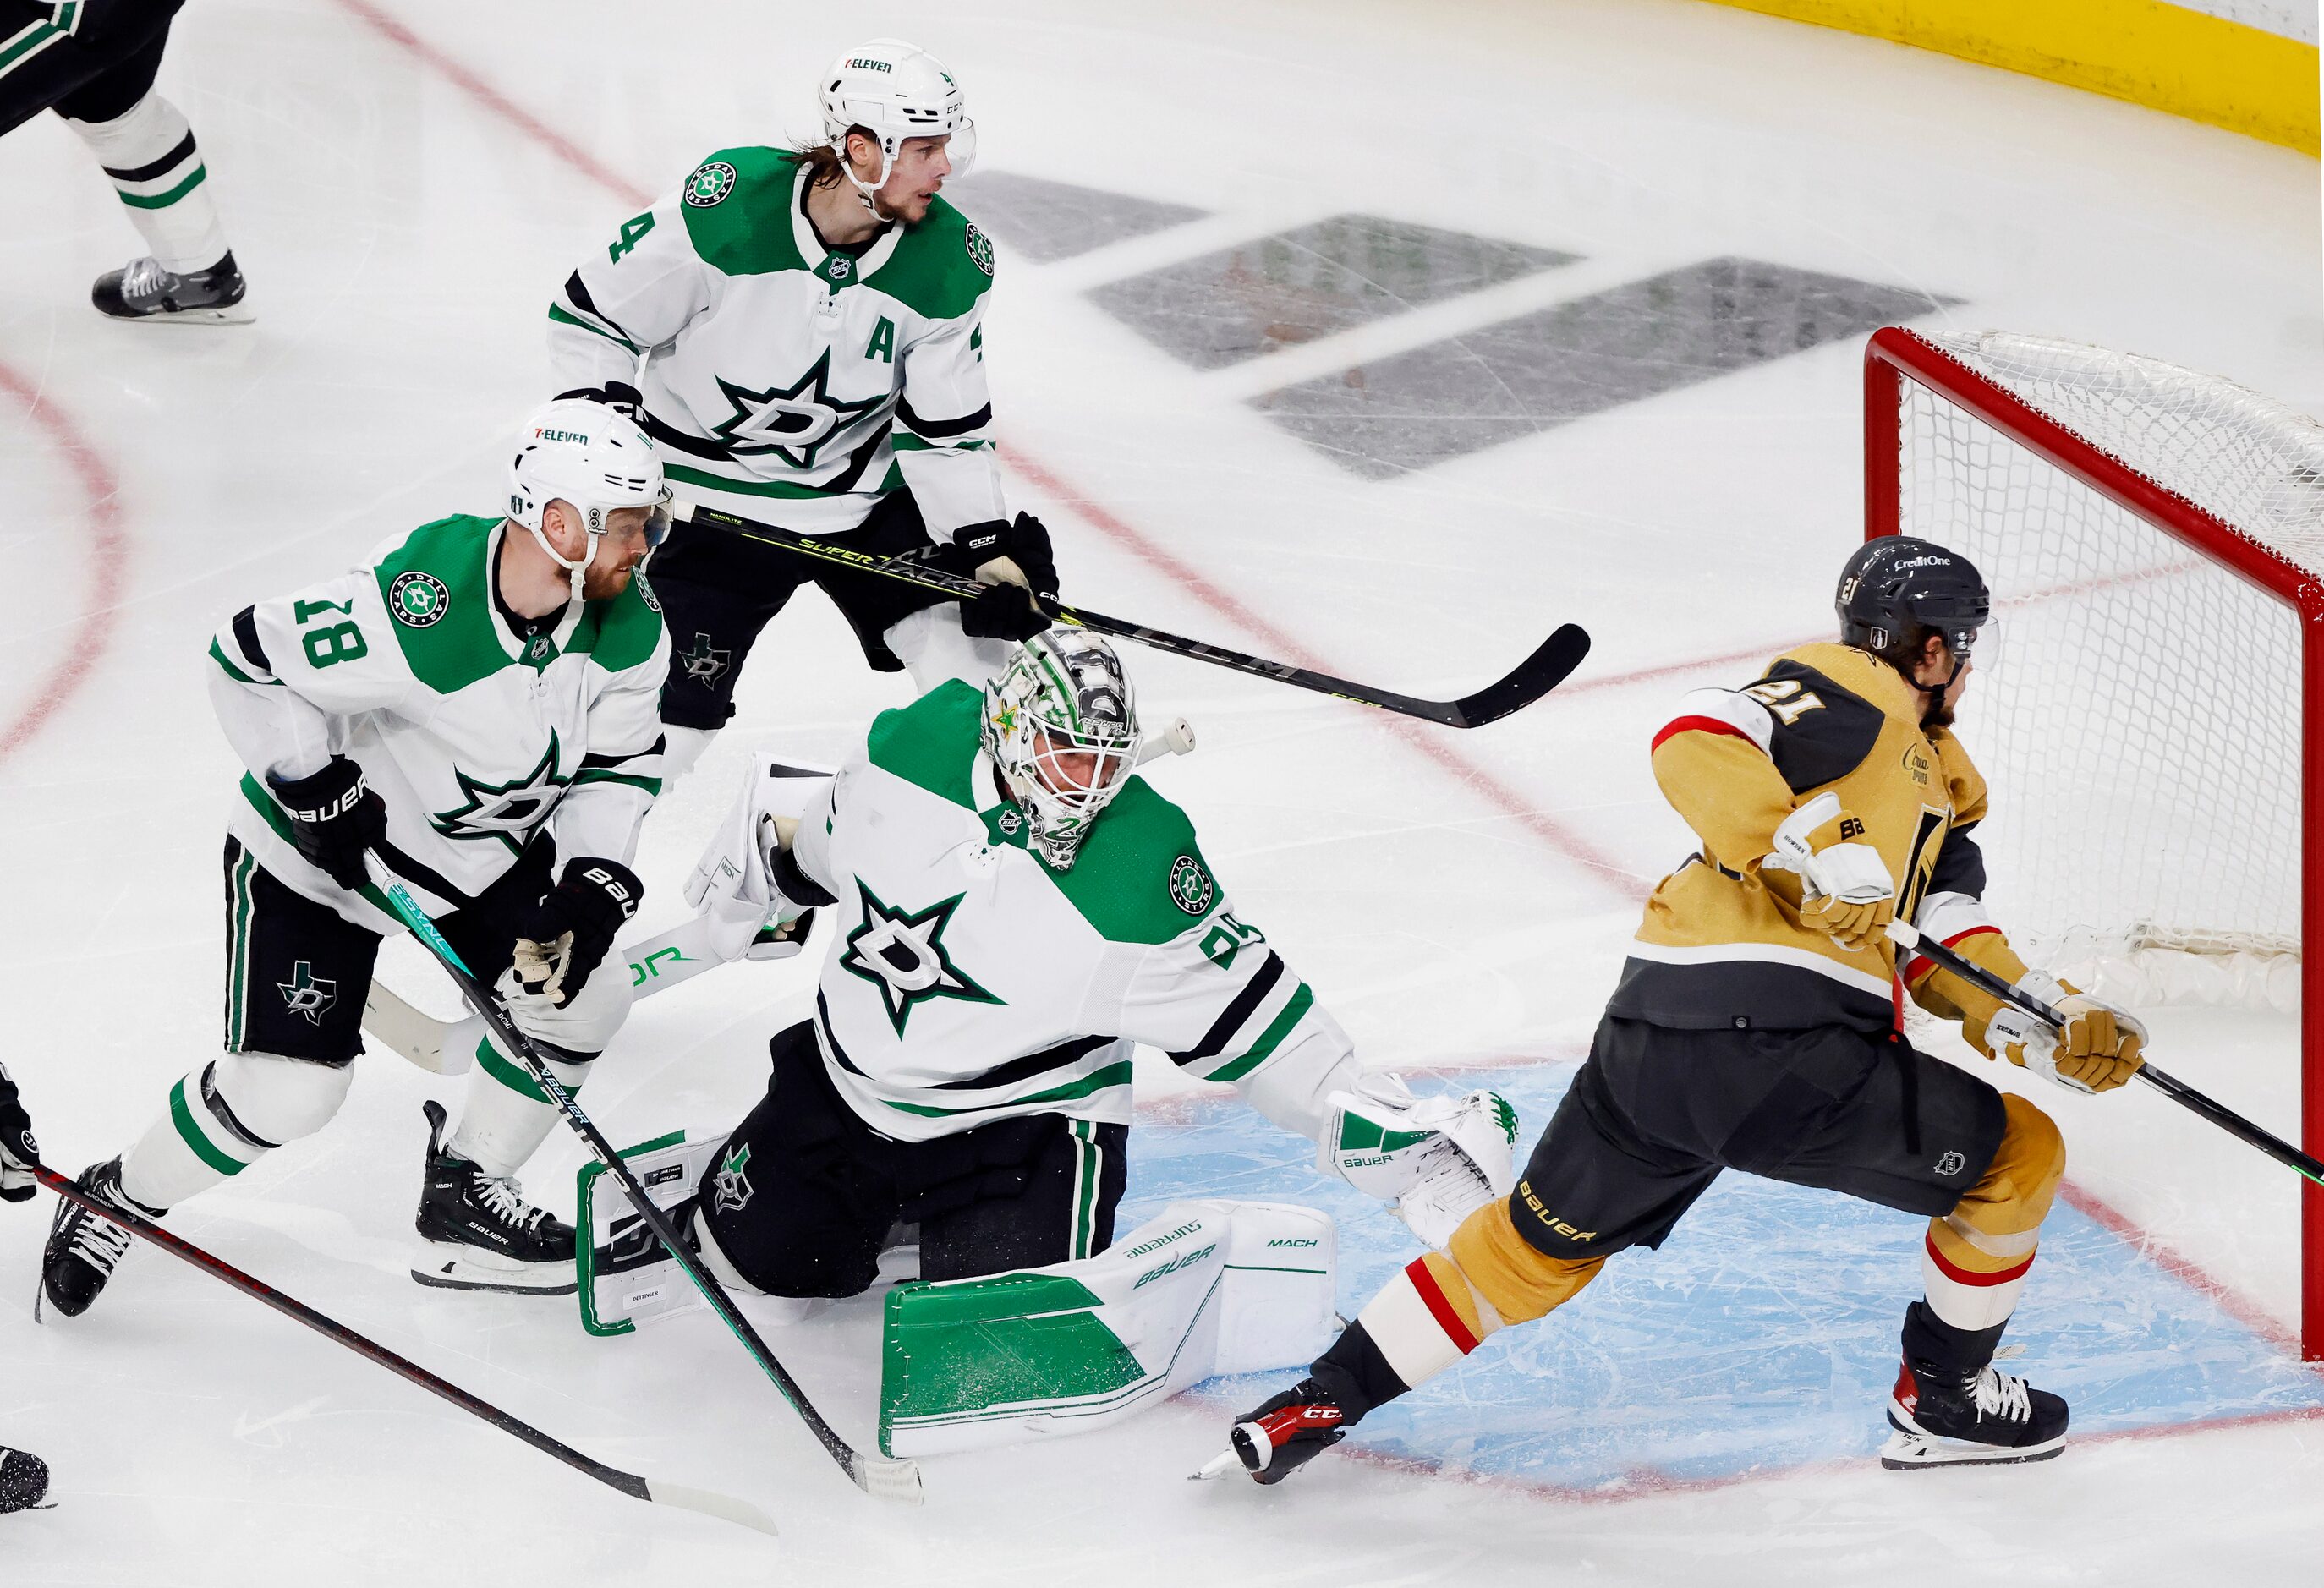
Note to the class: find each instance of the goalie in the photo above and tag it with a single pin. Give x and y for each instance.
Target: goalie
(1016, 908)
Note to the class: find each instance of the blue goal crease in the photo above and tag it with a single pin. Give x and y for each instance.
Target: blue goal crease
(1762, 1335)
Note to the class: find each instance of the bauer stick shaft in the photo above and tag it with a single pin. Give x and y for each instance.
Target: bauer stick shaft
(708, 1502)
(1549, 665)
(882, 1477)
(2170, 1086)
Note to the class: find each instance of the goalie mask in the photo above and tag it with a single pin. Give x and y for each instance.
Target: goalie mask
(1061, 724)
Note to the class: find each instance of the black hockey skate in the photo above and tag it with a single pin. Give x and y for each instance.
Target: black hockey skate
(24, 1480)
(142, 289)
(1945, 1419)
(479, 1235)
(83, 1248)
(1284, 1433)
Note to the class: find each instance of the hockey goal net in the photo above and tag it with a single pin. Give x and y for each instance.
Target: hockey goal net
(2150, 698)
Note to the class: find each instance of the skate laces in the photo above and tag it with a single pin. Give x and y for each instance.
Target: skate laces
(1999, 1395)
(145, 278)
(99, 1242)
(499, 1195)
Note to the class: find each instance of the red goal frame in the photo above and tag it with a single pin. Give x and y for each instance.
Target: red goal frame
(1895, 355)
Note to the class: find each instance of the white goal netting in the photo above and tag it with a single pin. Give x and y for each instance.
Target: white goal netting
(2137, 704)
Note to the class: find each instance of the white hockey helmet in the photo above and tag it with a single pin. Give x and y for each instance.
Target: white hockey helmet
(595, 458)
(895, 91)
(1061, 723)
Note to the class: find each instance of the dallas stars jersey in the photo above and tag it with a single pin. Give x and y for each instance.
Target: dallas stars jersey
(1721, 943)
(473, 736)
(790, 384)
(972, 982)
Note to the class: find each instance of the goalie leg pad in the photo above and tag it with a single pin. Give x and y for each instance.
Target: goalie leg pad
(1207, 1287)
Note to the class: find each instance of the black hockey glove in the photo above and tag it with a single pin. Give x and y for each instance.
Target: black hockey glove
(334, 819)
(565, 937)
(18, 1151)
(618, 395)
(1002, 612)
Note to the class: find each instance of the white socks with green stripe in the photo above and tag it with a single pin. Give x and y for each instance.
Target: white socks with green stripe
(226, 1116)
(154, 165)
(506, 1116)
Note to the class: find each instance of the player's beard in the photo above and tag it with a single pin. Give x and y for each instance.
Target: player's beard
(602, 584)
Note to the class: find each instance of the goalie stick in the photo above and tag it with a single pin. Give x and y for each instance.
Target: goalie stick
(655, 963)
(2170, 1086)
(1552, 661)
(882, 1477)
(708, 1501)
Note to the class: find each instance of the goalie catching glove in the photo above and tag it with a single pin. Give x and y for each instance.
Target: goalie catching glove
(1434, 1160)
(2099, 1048)
(565, 937)
(1845, 890)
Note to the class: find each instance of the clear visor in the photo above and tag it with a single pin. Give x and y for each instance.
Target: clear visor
(658, 521)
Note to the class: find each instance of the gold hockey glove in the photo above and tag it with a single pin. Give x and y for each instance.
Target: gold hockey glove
(1845, 888)
(2101, 1046)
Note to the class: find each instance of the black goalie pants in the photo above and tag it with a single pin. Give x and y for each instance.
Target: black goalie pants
(809, 1192)
(718, 590)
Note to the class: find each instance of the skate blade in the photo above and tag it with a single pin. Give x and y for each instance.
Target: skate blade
(1224, 1464)
(235, 315)
(1906, 1452)
(443, 1272)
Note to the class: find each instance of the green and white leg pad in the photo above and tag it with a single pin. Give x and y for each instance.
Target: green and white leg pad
(626, 1277)
(1208, 1287)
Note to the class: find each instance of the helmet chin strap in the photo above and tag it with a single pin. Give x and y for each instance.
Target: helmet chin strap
(575, 573)
(868, 193)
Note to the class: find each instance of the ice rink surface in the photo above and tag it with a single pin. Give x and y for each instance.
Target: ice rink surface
(1342, 334)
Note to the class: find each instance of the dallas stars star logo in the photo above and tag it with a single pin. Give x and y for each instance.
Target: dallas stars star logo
(704, 662)
(508, 811)
(308, 994)
(731, 1188)
(793, 424)
(902, 954)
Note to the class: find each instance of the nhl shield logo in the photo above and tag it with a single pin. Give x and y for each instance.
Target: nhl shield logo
(711, 183)
(1191, 889)
(840, 266)
(418, 599)
(1949, 1165)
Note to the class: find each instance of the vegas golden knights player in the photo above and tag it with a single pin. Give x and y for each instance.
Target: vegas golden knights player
(1757, 1027)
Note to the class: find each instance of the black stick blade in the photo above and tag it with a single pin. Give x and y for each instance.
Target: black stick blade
(1534, 677)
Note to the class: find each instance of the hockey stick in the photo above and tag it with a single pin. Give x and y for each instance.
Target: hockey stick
(2170, 1086)
(1552, 661)
(658, 963)
(708, 1501)
(882, 1477)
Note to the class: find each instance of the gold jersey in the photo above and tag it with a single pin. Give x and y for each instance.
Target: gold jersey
(1721, 943)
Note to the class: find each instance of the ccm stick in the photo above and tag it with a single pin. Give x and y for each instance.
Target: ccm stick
(1792, 853)
(709, 1502)
(882, 1477)
(446, 1048)
(1552, 661)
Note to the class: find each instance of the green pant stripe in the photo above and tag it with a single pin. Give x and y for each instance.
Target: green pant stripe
(1089, 1159)
(183, 1118)
(25, 43)
(164, 200)
(508, 1074)
(237, 953)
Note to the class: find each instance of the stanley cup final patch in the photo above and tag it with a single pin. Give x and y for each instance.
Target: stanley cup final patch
(712, 180)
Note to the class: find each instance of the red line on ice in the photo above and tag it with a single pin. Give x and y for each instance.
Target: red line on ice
(1482, 782)
(107, 548)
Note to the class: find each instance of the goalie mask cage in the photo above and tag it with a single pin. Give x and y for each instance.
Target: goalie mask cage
(2151, 697)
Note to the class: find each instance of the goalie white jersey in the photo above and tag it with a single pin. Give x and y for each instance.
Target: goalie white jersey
(969, 981)
(475, 736)
(787, 383)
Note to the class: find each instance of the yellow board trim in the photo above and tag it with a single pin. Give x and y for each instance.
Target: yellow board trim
(2224, 73)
